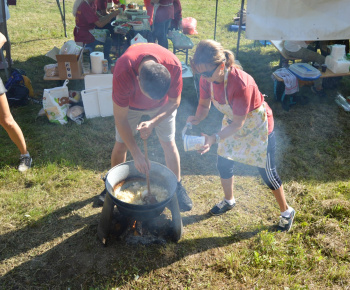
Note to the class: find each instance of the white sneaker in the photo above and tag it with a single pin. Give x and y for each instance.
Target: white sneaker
(25, 162)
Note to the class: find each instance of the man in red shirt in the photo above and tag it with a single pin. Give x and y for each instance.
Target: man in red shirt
(147, 80)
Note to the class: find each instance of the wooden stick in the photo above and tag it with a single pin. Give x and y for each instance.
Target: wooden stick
(146, 157)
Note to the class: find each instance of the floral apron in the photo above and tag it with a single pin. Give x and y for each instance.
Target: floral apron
(249, 144)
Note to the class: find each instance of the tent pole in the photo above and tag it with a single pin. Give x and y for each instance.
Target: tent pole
(240, 25)
(216, 16)
(63, 15)
(64, 19)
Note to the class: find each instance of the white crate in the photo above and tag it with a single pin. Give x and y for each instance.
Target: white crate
(90, 103)
(105, 101)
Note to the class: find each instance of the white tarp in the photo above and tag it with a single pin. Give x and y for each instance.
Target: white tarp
(298, 19)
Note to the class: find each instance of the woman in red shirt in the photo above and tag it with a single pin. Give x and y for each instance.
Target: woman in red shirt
(246, 134)
(86, 19)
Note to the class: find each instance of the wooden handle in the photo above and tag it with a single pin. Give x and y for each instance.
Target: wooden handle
(147, 174)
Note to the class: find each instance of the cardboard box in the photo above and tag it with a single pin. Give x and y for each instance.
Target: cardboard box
(70, 66)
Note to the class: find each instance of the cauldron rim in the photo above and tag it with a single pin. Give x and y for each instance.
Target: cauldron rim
(137, 207)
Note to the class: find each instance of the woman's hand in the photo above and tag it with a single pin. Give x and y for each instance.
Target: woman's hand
(193, 120)
(145, 129)
(209, 141)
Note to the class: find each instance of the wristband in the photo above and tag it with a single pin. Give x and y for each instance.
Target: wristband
(217, 138)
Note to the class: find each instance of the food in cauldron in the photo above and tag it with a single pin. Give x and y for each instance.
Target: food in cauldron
(137, 193)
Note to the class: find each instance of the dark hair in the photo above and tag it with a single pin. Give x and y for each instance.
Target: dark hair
(211, 52)
(154, 79)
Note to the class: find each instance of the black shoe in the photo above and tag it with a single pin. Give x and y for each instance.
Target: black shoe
(185, 203)
(221, 207)
(101, 198)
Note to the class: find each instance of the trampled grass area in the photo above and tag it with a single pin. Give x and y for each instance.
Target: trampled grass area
(48, 222)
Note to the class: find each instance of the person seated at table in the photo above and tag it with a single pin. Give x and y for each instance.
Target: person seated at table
(103, 10)
(86, 19)
(163, 13)
(299, 49)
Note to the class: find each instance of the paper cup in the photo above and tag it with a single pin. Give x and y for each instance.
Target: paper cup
(193, 142)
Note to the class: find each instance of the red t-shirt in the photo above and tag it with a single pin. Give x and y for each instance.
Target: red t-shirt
(85, 20)
(101, 4)
(242, 93)
(126, 89)
(165, 11)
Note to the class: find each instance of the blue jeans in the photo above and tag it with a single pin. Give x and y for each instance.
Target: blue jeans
(160, 32)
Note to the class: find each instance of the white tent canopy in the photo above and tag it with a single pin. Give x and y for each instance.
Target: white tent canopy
(298, 19)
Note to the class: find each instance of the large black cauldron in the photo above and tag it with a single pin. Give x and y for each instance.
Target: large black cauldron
(127, 173)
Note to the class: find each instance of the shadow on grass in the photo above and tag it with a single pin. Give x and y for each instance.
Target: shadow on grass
(80, 260)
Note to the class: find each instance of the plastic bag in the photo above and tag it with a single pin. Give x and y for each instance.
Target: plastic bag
(56, 103)
(51, 70)
(138, 39)
(189, 25)
(99, 34)
(76, 114)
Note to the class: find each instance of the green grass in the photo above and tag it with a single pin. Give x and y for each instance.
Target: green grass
(48, 223)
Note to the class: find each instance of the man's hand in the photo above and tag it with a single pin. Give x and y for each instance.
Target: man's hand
(145, 129)
(141, 164)
(193, 120)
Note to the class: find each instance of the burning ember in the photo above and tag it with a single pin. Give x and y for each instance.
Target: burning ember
(154, 231)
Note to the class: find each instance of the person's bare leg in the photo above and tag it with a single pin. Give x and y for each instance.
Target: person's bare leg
(172, 157)
(227, 185)
(118, 154)
(13, 130)
(281, 200)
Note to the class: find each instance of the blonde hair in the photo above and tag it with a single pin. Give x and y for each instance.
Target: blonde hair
(76, 6)
(212, 52)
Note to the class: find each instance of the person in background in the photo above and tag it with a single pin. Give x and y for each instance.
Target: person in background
(10, 125)
(246, 135)
(149, 8)
(176, 23)
(103, 10)
(102, 6)
(163, 13)
(147, 81)
(86, 19)
(3, 30)
(299, 49)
